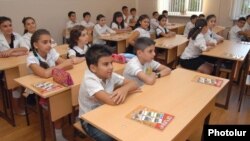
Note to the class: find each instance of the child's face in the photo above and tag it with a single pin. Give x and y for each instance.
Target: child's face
(102, 21)
(73, 17)
(163, 21)
(125, 11)
(147, 54)
(87, 18)
(30, 25)
(119, 19)
(144, 23)
(241, 23)
(6, 28)
(104, 67)
(211, 23)
(133, 13)
(83, 39)
(194, 20)
(204, 30)
(43, 45)
(156, 15)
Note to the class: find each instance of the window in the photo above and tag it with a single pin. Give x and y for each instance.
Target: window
(180, 6)
(240, 8)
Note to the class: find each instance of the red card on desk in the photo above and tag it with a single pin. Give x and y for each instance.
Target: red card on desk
(150, 117)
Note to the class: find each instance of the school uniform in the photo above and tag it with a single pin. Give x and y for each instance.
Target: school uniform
(234, 35)
(116, 26)
(191, 57)
(212, 37)
(87, 24)
(71, 24)
(160, 30)
(188, 27)
(130, 17)
(77, 51)
(17, 42)
(153, 25)
(98, 31)
(124, 17)
(27, 37)
(134, 66)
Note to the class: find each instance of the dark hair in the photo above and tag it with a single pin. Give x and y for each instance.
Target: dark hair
(4, 19)
(248, 16)
(200, 23)
(164, 11)
(161, 17)
(24, 22)
(143, 42)
(86, 14)
(95, 52)
(75, 33)
(201, 15)
(132, 9)
(70, 13)
(141, 18)
(124, 7)
(210, 17)
(193, 17)
(242, 19)
(154, 13)
(34, 38)
(98, 17)
(116, 15)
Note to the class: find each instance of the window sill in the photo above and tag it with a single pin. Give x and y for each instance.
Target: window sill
(187, 15)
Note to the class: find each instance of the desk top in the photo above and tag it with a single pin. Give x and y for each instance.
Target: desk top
(116, 37)
(229, 50)
(218, 29)
(176, 94)
(169, 43)
(174, 25)
(77, 73)
(62, 49)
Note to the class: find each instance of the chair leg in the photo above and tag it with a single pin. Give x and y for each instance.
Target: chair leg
(26, 111)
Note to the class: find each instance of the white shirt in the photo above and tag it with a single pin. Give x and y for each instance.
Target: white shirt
(51, 59)
(195, 47)
(115, 26)
(153, 25)
(134, 66)
(18, 42)
(98, 31)
(71, 24)
(234, 35)
(124, 17)
(90, 85)
(142, 32)
(188, 27)
(81, 51)
(87, 24)
(27, 37)
(160, 30)
(212, 37)
(246, 27)
(130, 17)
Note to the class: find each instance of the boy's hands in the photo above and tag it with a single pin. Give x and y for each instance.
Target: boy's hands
(119, 95)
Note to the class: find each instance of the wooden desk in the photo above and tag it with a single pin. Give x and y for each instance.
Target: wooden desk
(178, 28)
(219, 29)
(232, 51)
(120, 39)
(58, 108)
(173, 46)
(177, 94)
(62, 50)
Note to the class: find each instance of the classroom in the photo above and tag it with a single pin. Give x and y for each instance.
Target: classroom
(162, 70)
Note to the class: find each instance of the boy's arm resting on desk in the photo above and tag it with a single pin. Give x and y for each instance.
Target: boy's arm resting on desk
(147, 79)
(163, 70)
(133, 37)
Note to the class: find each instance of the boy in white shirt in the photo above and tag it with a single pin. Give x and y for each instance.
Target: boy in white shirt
(86, 21)
(154, 22)
(190, 24)
(247, 24)
(132, 18)
(125, 14)
(71, 23)
(143, 68)
(98, 87)
(101, 29)
(236, 33)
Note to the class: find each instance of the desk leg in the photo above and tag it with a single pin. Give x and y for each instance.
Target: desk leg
(52, 128)
(9, 98)
(121, 46)
(206, 122)
(40, 111)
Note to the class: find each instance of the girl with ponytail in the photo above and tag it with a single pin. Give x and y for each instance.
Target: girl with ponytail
(191, 57)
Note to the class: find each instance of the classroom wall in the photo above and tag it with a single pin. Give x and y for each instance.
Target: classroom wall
(52, 14)
(221, 8)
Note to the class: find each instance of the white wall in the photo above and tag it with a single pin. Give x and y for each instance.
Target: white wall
(52, 14)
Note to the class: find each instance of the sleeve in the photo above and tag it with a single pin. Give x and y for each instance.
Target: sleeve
(200, 42)
(217, 37)
(83, 23)
(158, 31)
(155, 65)
(209, 39)
(97, 30)
(31, 59)
(118, 79)
(55, 54)
(114, 25)
(24, 43)
(109, 29)
(132, 69)
(71, 52)
(93, 86)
